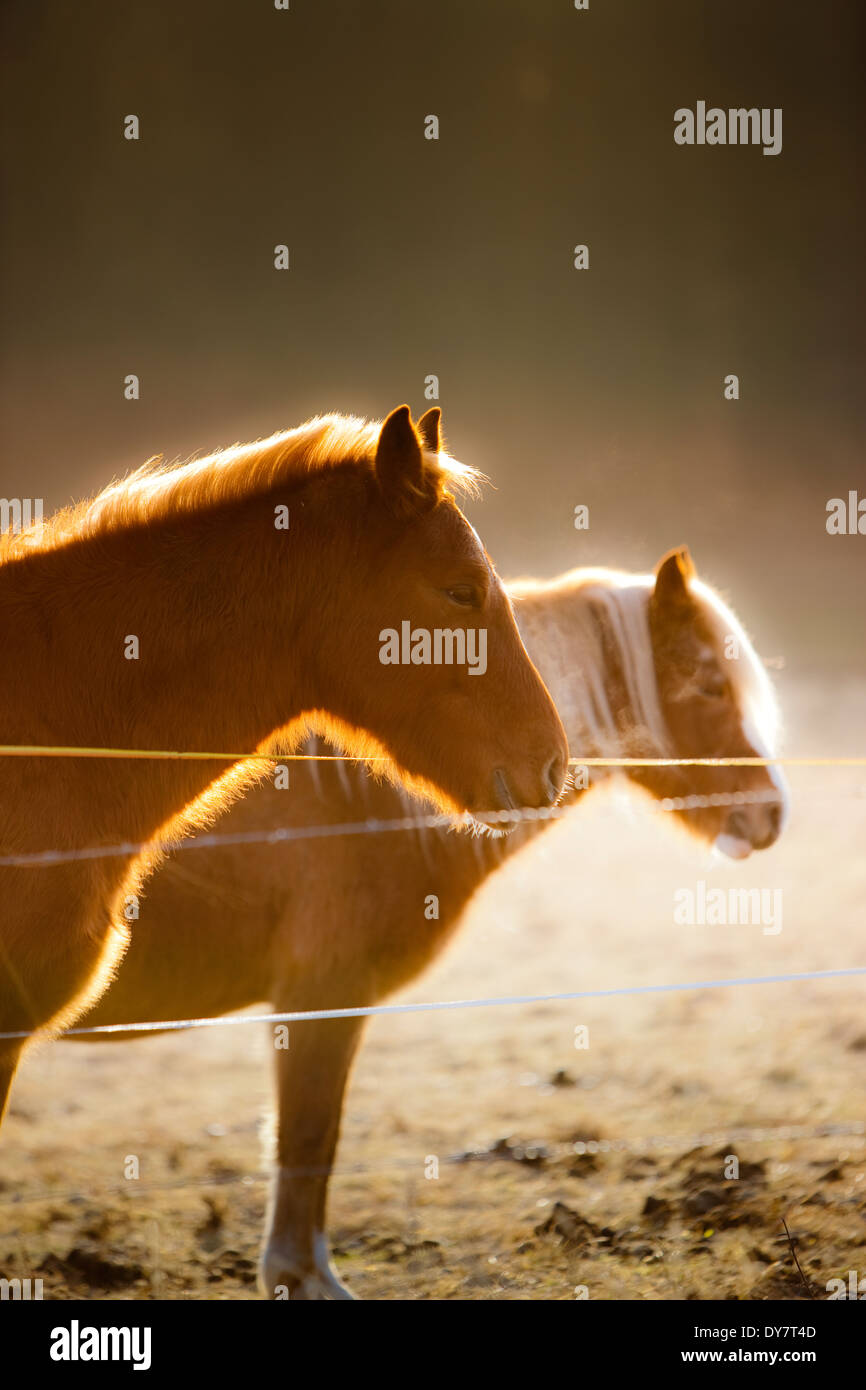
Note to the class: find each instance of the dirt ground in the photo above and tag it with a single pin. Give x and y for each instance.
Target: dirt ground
(670, 1086)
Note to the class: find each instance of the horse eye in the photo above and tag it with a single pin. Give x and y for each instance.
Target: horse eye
(714, 686)
(465, 594)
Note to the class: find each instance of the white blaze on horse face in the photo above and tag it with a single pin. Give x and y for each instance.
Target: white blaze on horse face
(758, 712)
(775, 773)
(733, 846)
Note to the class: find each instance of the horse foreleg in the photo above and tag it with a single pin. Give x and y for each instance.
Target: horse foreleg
(311, 1079)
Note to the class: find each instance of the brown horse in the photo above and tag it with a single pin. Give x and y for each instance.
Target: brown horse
(638, 665)
(208, 607)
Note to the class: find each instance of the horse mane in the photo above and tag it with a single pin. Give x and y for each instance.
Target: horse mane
(574, 661)
(157, 490)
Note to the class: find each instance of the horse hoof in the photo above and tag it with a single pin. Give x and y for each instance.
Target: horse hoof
(311, 1285)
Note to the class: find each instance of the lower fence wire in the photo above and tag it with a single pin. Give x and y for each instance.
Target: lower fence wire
(374, 1010)
(486, 821)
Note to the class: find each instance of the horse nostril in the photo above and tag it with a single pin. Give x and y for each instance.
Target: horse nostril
(762, 829)
(554, 776)
(774, 824)
(502, 792)
(738, 825)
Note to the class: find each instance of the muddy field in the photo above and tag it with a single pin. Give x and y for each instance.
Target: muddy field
(561, 1170)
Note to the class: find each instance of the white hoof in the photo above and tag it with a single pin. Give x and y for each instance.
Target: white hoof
(284, 1276)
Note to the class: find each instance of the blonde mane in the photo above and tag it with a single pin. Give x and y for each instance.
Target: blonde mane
(567, 644)
(158, 490)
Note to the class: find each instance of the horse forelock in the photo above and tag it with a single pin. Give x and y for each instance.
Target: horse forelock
(157, 490)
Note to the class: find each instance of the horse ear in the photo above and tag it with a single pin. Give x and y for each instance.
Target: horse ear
(405, 483)
(673, 573)
(429, 430)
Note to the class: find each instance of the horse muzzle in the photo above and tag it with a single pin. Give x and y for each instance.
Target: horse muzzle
(751, 827)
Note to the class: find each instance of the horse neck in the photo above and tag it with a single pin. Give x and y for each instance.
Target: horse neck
(226, 651)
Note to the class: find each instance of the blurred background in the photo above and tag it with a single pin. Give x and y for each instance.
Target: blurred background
(454, 257)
